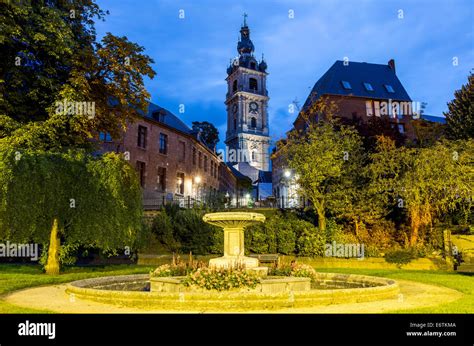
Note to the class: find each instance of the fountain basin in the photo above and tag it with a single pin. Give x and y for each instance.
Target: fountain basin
(270, 285)
(133, 290)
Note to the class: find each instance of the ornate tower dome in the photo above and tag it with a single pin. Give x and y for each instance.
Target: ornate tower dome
(245, 45)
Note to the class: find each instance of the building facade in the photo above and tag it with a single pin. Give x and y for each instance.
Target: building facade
(247, 135)
(361, 91)
(173, 165)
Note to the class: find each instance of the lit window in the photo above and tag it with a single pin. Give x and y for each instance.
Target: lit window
(368, 108)
(368, 87)
(180, 183)
(161, 179)
(389, 88)
(377, 108)
(346, 85)
(401, 128)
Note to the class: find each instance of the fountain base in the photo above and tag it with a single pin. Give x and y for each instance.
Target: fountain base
(234, 261)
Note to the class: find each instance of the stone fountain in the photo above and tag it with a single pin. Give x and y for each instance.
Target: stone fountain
(169, 293)
(233, 224)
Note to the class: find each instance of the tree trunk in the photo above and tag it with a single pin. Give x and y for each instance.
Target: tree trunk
(356, 224)
(414, 234)
(321, 219)
(52, 265)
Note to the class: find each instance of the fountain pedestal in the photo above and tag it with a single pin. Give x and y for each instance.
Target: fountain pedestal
(233, 224)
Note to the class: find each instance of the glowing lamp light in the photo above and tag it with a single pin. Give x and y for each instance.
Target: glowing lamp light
(287, 174)
(197, 179)
(247, 195)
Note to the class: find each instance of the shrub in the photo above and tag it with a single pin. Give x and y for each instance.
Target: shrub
(294, 269)
(260, 239)
(177, 268)
(162, 227)
(400, 257)
(311, 241)
(221, 279)
(184, 231)
(333, 231)
(284, 233)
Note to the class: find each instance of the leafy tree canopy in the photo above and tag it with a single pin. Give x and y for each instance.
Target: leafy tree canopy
(460, 115)
(51, 58)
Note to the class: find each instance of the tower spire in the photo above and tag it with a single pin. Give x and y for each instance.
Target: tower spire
(245, 19)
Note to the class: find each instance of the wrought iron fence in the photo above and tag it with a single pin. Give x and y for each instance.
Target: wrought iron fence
(223, 203)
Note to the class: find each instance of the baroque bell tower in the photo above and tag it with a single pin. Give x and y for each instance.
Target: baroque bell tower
(247, 136)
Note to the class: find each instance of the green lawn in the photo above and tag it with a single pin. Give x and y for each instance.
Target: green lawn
(15, 277)
(459, 282)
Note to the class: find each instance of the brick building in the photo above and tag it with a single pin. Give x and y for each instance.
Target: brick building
(171, 161)
(361, 91)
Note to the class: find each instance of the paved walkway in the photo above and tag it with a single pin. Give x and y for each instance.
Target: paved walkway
(413, 295)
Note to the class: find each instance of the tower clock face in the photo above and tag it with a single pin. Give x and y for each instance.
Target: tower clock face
(234, 108)
(253, 107)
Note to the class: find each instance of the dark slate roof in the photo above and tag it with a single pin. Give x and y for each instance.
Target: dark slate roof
(235, 172)
(264, 177)
(434, 119)
(169, 118)
(357, 73)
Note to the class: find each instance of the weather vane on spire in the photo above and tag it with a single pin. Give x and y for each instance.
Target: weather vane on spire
(245, 18)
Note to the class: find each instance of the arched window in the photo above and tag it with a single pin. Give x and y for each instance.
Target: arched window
(253, 84)
(254, 156)
(234, 86)
(253, 122)
(235, 124)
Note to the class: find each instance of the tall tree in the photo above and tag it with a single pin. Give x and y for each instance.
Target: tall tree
(325, 159)
(208, 133)
(68, 198)
(53, 59)
(460, 115)
(426, 182)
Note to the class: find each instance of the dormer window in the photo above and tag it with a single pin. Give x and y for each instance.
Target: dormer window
(159, 115)
(368, 86)
(389, 88)
(346, 85)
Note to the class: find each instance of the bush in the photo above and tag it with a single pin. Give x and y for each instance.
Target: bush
(260, 239)
(311, 242)
(400, 257)
(221, 279)
(284, 233)
(333, 231)
(184, 231)
(294, 269)
(162, 227)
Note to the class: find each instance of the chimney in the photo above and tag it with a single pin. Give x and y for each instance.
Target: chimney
(391, 64)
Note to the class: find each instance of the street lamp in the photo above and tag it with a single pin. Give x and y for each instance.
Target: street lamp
(287, 173)
(197, 179)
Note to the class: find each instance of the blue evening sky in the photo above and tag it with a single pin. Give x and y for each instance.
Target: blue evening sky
(191, 54)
